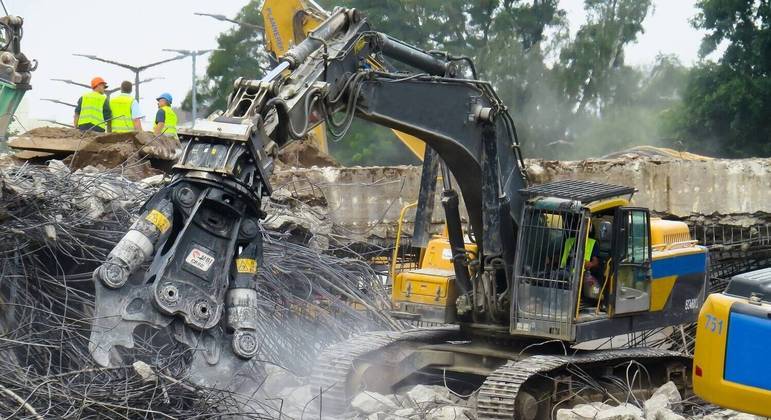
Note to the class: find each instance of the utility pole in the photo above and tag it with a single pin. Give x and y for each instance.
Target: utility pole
(134, 69)
(193, 54)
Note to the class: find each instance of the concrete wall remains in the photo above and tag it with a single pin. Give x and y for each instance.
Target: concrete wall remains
(365, 202)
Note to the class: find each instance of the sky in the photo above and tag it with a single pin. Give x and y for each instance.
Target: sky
(136, 31)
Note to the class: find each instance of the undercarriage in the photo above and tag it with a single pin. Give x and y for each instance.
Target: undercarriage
(514, 378)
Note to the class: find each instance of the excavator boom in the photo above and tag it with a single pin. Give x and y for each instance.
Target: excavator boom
(287, 23)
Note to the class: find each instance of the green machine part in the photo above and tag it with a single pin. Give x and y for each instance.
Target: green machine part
(10, 98)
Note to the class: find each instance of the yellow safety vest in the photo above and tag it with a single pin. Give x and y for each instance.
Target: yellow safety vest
(569, 245)
(120, 105)
(92, 109)
(170, 125)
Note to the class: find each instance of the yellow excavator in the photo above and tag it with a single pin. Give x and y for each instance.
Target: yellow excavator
(552, 266)
(650, 270)
(733, 334)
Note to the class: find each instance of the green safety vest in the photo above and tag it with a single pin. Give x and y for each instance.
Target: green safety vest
(120, 105)
(92, 109)
(170, 125)
(569, 245)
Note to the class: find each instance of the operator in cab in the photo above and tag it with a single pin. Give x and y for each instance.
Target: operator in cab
(593, 276)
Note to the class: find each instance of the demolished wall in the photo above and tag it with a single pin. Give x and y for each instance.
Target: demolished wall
(367, 201)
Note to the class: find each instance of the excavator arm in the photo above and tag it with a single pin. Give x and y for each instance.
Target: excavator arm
(200, 233)
(288, 23)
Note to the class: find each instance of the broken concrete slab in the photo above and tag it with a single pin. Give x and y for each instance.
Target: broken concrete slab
(369, 402)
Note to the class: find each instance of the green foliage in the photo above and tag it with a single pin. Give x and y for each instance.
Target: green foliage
(368, 144)
(241, 54)
(570, 96)
(726, 103)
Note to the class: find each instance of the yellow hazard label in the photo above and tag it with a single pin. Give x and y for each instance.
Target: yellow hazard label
(159, 220)
(246, 265)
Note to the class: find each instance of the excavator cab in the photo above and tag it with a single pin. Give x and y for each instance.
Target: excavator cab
(590, 266)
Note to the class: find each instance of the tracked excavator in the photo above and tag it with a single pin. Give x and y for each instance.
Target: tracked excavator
(546, 267)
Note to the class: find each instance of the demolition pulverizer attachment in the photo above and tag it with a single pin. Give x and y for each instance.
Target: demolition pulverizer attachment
(190, 262)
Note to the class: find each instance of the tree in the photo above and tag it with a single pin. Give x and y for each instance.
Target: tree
(726, 103)
(560, 89)
(241, 52)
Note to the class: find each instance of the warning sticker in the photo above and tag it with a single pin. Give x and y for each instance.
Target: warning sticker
(447, 254)
(246, 265)
(199, 259)
(159, 220)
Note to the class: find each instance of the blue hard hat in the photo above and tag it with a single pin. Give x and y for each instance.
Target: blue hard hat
(166, 96)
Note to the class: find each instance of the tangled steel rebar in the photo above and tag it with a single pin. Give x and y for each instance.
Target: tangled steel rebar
(56, 226)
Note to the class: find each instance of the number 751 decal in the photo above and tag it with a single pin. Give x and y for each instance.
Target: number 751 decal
(714, 325)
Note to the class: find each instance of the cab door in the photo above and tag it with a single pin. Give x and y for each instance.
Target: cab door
(632, 260)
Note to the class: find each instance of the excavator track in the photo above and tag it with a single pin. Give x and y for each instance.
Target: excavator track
(335, 365)
(498, 394)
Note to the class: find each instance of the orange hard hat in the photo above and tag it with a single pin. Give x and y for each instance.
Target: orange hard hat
(96, 81)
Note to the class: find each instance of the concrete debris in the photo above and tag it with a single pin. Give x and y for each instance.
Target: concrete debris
(404, 413)
(145, 371)
(305, 154)
(50, 232)
(423, 395)
(135, 155)
(658, 407)
(276, 380)
(663, 414)
(680, 188)
(368, 402)
(449, 412)
(670, 392)
(727, 414)
(621, 412)
(582, 411)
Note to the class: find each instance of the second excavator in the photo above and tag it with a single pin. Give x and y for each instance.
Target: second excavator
(550, 266)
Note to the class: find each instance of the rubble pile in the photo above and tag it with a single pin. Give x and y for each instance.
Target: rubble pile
(57, 225)
(438, 402)
(138, 155)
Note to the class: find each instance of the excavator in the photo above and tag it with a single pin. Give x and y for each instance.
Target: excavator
(548, 267)
(15, 70)
(733, 326)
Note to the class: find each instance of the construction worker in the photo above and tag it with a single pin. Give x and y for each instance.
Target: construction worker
(126, 113)
(93, 110)
(165, 118)
(593, 275)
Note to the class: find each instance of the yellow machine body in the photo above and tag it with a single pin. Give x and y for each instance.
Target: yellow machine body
(731, 364)
(670, 240)
(429, 291)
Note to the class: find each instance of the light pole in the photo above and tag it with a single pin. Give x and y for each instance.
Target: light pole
(192, 54)
(56, 101)
(107, 92)
(59, 123)
(227, 19)
(135, 69)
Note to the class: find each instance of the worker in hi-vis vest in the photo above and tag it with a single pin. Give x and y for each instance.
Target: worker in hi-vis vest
(126, 113)
(593, 275)
(92, 113)
(165, 118)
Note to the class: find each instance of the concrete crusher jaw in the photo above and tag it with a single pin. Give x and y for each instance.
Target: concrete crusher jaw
(15, 70)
